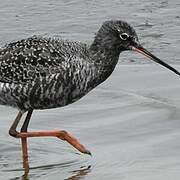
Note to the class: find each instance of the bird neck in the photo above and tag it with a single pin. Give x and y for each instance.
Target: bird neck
(105, 56)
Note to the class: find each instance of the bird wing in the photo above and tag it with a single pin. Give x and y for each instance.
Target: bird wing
(35, 57)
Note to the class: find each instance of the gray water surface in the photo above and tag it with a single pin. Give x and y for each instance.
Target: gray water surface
(130, 123)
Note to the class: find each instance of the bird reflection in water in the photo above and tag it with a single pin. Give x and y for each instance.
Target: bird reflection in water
(76, 174)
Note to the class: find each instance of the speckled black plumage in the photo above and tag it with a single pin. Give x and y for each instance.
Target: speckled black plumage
(41, 73)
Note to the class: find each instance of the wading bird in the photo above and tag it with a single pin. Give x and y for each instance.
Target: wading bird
(44, 73)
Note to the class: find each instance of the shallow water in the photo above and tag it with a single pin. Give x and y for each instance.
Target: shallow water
(130, 123)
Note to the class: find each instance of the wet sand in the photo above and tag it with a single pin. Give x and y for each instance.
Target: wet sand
(130, 123)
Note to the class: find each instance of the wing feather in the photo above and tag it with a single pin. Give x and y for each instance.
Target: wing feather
(35, 57)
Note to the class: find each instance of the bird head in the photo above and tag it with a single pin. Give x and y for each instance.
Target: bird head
(121, 35)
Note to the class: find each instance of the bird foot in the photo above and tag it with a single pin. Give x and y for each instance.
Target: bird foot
(63, 135)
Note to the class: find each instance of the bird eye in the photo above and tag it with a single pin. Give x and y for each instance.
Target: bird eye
(124, 36)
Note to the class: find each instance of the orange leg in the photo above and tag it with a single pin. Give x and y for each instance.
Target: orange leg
(25, 156)
(63, 135)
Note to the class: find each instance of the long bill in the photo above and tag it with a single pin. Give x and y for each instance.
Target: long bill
(146, 53)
